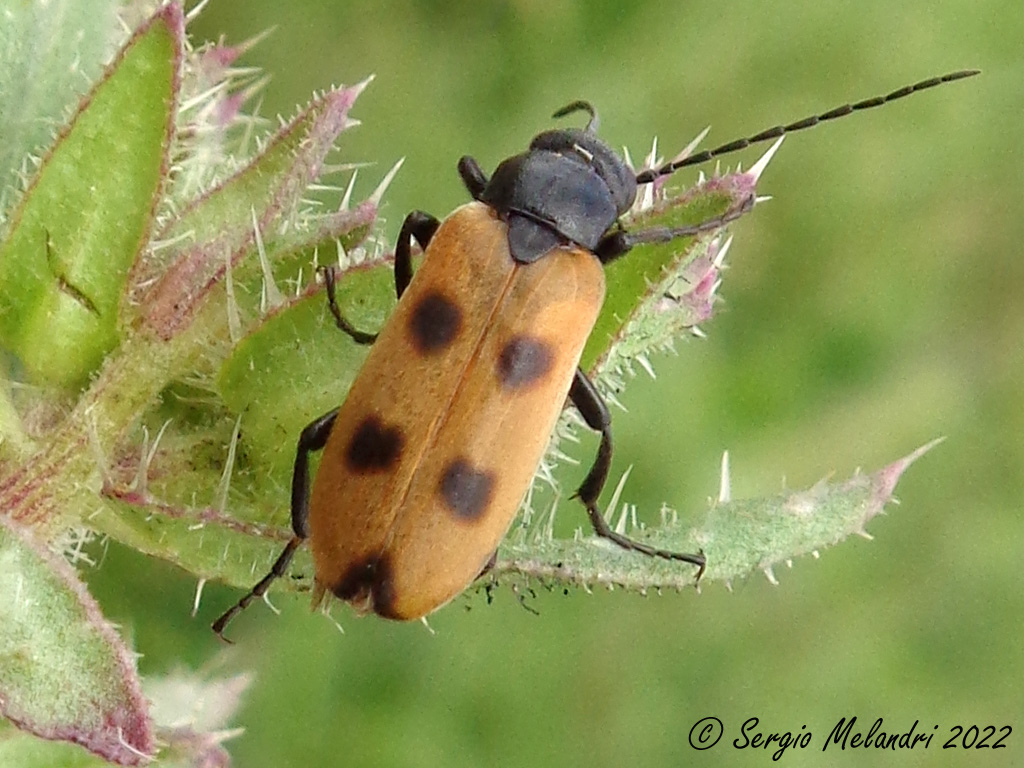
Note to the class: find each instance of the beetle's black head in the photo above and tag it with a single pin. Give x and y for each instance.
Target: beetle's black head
(568, 187)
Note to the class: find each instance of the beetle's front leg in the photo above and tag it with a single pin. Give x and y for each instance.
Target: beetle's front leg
(421, 226)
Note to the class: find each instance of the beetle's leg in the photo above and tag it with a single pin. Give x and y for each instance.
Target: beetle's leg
(619, 242)
(422, 226)
(474, 178)
(359, 337)
(592, 408)
(313, 438)
(591, 405)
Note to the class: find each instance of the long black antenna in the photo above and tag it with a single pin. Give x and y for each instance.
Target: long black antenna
(808, 122)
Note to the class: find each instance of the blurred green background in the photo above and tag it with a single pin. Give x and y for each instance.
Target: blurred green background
(872, 305)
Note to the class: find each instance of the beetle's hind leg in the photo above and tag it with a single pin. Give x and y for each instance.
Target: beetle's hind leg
(589, 403)
(313, 438)
(359, 337)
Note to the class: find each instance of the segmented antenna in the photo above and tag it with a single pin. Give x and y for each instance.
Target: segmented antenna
(808, 122)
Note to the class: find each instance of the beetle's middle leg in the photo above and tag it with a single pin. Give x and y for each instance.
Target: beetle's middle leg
(313, 438)
(591, 405)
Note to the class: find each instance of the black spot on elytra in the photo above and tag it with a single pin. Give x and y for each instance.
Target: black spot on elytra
(467, 491)
(435, 322)
(375, 446)
(369, 580)
(523, 361)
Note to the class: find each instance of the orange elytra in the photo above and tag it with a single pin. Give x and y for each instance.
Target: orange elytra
(427, 460)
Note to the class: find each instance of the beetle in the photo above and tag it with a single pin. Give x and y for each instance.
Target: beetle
(426, 462)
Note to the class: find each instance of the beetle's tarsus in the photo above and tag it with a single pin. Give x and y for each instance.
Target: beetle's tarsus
(279, 569)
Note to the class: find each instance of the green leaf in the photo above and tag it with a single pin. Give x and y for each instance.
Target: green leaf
(185, 489)
(65, 674)
(218, 512)
(221, 226)
(78, 228)
(49, 52)
(738, 537)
